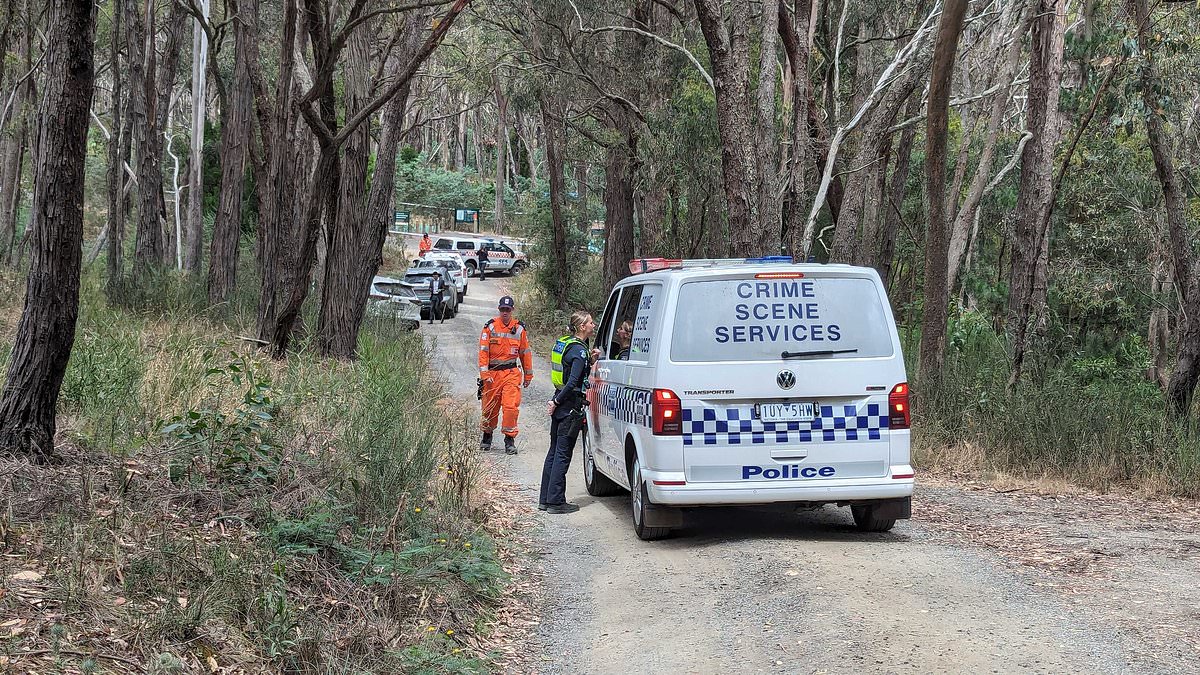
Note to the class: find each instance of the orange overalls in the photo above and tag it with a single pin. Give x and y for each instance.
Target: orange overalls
(424, 246)
(503, 356)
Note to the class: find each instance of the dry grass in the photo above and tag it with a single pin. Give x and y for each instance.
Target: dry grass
(369, 540)
(111, 561)
(967, 463)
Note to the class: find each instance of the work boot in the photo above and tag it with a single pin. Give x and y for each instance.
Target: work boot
(485, 444)
(542, 506)
(565, 507)
(510, 446)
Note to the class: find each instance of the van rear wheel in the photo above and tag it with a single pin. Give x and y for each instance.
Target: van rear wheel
(866, 521)
(640, 501)
(597, 484)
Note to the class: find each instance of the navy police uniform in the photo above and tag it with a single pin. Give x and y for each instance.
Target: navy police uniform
(565, 424)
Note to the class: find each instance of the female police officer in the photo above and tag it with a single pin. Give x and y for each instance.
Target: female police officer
(569, 365)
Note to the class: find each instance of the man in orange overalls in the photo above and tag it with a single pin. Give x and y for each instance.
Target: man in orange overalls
(504, 361)
(424, 246)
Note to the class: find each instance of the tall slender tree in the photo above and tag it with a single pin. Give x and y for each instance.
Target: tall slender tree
(235, 149)
(46, 331)
(1031, 243)
(933, 317)
(746, 120)
(193, 247)
(115, 261)
(149, 247)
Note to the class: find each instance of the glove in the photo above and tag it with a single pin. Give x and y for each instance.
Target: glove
(479, 388)
(527, 383)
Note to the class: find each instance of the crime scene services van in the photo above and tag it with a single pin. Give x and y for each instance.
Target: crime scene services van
(749, 381)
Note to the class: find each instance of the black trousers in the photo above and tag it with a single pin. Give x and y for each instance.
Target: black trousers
(564, 431)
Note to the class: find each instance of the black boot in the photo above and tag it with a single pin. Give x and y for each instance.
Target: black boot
(510, 446)
(485, 444)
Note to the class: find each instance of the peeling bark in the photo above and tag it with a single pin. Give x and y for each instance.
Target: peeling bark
(46, 331)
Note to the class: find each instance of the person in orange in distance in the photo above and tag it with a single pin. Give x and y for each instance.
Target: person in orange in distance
(505, 366)
(424, 246)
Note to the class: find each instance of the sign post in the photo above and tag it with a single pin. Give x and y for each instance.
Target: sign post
(467, 216)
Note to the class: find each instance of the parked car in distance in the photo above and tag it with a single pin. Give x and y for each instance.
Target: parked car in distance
(451, 261)
(392, 299)
(501, 257)
(417, 278)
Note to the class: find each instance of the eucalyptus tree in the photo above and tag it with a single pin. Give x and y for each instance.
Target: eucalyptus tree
(236, 131)
(318, 107)
(46, 331)
(1031, 243)
(933, 318)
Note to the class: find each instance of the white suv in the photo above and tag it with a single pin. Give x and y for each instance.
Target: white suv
(749, 382)
(501, 257)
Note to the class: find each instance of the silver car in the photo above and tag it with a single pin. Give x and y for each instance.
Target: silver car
(392, 299)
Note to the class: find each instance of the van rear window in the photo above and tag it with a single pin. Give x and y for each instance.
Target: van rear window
(758, 320)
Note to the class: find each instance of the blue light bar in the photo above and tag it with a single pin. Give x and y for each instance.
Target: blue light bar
(771, 259)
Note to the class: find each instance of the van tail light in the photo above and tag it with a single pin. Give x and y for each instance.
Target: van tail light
(666, 413)
(899, 414)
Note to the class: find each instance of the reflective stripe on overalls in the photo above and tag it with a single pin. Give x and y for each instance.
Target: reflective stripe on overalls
(556, 365)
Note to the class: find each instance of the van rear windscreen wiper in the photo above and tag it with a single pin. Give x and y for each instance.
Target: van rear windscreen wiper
(818, 352)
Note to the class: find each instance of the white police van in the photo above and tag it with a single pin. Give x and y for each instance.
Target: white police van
(749, 381)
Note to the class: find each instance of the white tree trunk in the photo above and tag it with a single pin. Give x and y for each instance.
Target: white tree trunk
(195, 180)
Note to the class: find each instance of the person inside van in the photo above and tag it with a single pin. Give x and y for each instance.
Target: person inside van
(623, 337)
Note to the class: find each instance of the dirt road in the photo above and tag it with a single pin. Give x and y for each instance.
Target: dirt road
(978, 581)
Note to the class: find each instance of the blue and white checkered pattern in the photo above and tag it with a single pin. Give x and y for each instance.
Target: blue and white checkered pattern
(627, 404)
(736, 425)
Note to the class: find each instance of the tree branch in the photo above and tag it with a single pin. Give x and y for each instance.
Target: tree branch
(351, 25)
(900, 62)
(672, 9)
(663, 41)
(439, 33)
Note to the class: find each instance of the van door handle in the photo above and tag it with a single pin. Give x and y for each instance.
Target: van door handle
(789, 454)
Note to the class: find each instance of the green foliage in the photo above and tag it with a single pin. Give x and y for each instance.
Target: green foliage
(276, 619)
(1094, 419)
(103, 380)
(237, 444)
(419, 183)
(388, 428)
(440, 655)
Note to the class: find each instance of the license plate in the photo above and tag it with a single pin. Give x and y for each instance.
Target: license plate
(786, 412)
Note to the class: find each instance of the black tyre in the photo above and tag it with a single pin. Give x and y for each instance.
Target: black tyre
(597, 484)
(866, 521)
(639, 499)
(471, 268)
(517, 268)
(462, 296)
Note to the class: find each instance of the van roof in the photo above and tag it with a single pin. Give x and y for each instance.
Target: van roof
(725, 267)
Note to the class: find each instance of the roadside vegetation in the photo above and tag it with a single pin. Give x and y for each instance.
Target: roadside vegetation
(217, 509)
(1090, 418)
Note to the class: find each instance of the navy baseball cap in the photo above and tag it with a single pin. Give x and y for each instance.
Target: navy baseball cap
(507, 301)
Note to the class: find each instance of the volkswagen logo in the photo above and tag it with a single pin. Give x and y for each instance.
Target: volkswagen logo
(786, 379)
